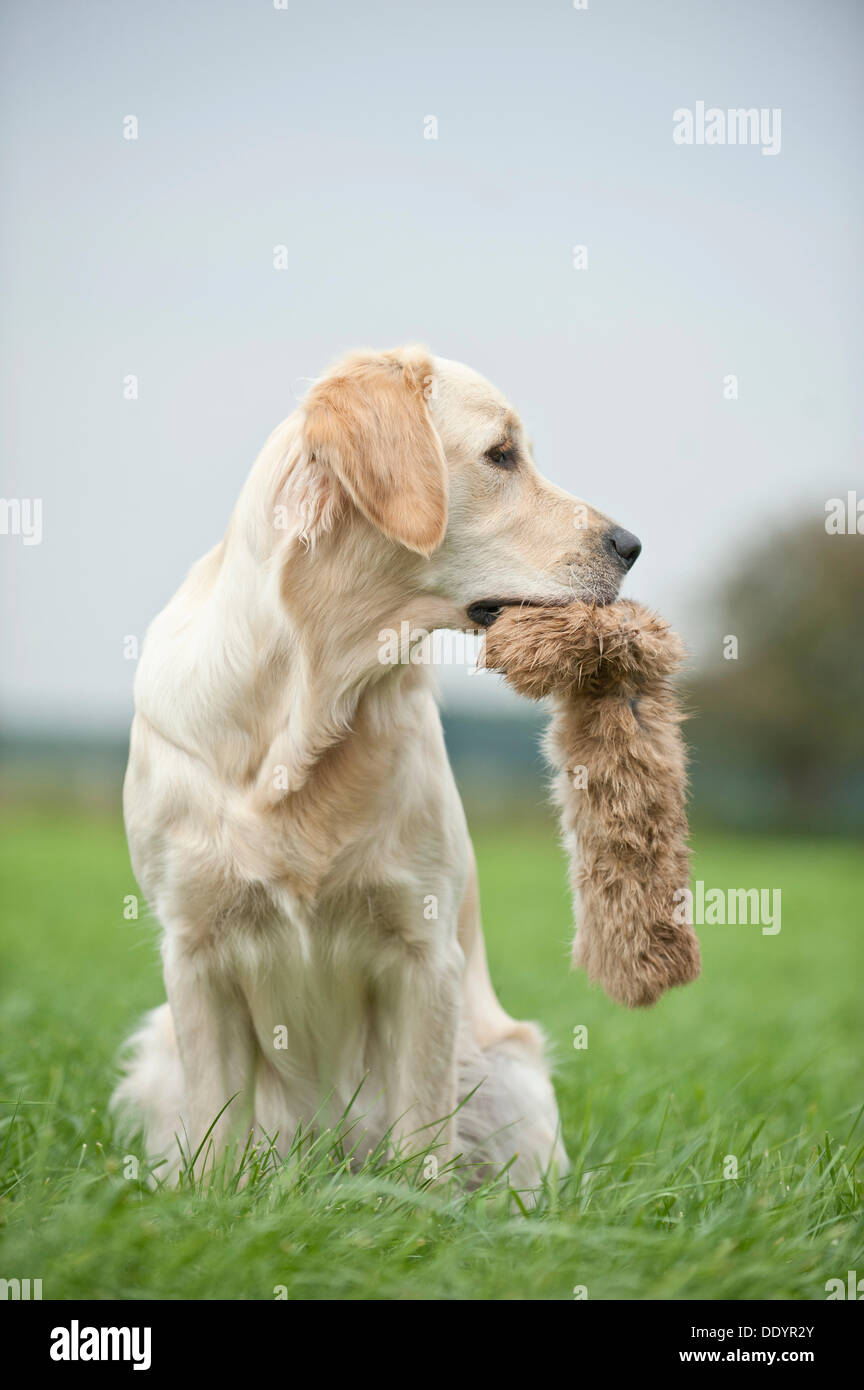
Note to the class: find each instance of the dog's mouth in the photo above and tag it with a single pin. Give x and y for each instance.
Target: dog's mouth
(485, 611)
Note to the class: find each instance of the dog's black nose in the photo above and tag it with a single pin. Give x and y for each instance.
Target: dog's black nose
(626, 546)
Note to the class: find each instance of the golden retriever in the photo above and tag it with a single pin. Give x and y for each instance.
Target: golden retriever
(291, 813)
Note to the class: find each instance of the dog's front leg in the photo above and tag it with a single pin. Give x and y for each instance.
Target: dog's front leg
(217, 1052)
(419, 1002)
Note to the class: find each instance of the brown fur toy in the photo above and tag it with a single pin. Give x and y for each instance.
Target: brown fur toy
(616, 742)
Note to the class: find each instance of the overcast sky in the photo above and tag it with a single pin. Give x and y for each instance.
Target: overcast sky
(304, 127)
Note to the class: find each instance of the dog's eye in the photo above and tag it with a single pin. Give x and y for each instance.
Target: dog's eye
(502, 455)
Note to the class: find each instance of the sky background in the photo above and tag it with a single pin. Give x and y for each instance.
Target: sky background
(305, 127)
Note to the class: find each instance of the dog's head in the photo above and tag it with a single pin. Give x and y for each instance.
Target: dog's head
(433, 461)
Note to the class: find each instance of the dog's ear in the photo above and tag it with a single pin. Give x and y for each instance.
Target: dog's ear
(368, 422)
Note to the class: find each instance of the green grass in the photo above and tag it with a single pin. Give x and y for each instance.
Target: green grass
(761, 1059)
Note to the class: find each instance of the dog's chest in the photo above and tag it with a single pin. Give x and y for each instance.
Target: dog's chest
(323, 989)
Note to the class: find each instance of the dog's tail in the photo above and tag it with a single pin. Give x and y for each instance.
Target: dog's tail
(148, 1099)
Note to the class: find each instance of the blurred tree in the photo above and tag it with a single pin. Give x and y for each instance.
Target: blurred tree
(784, 722)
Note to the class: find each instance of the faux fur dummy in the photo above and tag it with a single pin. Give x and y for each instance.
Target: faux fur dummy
(616, 742)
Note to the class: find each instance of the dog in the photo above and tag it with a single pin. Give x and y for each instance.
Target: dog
(291, 814)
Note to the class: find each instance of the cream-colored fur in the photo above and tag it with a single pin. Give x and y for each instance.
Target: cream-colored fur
(290, 809)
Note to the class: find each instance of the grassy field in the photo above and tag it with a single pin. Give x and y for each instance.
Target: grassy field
(760, 1061)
